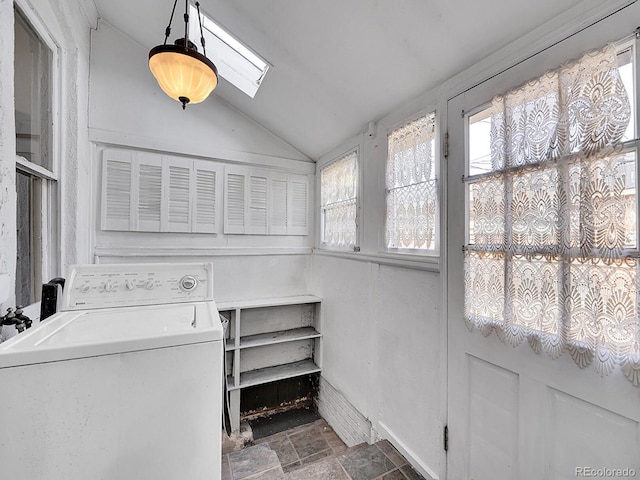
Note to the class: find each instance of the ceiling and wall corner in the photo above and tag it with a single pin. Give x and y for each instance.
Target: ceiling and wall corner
(338, 65)
(128, 107)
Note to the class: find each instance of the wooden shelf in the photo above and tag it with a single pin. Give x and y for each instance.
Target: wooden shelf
(268, 302)
(272, 338)
(272, 374)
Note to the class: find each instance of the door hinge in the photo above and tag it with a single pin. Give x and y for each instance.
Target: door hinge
(445, 145)
(446, 438)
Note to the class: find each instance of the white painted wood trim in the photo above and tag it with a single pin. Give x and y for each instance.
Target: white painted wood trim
(113, 252)
(268, 302)
(418, 262)
(167, 146)
(407, 453)
(90, 12)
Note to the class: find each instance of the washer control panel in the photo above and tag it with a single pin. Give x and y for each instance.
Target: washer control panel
(103, 286)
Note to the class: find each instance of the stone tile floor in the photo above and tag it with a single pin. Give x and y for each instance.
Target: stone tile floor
(314, 451)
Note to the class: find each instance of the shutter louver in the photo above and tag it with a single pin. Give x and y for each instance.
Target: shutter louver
(279, 208)
(179, 204)
(299, 206)
(234, 203)
(148, 192)
(257, 205)
(205, 208)
(116, 191)
(149, 204)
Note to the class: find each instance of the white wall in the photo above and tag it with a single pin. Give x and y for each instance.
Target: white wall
(385, 319)
(381, 348)
(68, 25)
(128, 110)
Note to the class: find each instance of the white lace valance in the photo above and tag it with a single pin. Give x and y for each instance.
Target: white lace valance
(553, 224)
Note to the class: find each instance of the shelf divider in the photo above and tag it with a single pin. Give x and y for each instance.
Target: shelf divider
(273, 374)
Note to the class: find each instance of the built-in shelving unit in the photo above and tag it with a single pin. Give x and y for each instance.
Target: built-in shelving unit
(269, 340)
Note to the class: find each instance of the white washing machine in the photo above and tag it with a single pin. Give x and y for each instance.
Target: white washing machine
(125, 383)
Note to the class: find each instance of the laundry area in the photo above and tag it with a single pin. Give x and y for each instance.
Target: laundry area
(275, 240)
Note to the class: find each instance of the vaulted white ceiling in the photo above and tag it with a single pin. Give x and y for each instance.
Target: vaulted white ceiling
(338, 64)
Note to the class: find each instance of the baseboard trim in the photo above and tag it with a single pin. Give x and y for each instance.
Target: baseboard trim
(406, 452)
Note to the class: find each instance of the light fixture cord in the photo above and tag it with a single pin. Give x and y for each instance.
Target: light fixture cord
(186, 25)
(167, 31)
(204, 51)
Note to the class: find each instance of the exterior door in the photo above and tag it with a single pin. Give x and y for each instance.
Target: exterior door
(513, 413)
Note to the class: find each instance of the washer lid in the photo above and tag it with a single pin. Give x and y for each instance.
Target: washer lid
(89, 333)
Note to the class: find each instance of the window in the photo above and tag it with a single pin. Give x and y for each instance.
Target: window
(411, 186)
(552, 252)
(35, 180)
(234, 61)
(339, 194)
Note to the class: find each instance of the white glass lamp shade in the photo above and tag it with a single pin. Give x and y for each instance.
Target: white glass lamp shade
(185, 75)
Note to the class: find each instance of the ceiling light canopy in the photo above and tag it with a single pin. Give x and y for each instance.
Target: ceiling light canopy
(182, 72)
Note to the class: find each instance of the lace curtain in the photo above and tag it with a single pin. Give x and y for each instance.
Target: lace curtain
(411, 189)
(552, 227)
(338, 192)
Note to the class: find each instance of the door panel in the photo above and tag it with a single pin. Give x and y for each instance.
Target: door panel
(512, 413)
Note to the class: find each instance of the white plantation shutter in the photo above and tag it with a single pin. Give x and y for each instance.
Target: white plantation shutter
(258, 203)
(116, 190)
(298, 221)
(234, 201)
(278, 214)
(177, 187)
(147, 196)
(204, 212)
(147, 192)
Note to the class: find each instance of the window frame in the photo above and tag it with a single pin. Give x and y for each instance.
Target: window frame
(357, 150)
(47, 208)
(400, 252)
(627, 146)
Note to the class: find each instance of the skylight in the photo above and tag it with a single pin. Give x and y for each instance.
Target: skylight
(235, 62)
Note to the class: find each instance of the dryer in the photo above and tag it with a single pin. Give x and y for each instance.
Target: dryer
(125, 382)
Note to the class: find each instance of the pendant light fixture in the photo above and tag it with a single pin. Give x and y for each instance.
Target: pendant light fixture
(181, 71)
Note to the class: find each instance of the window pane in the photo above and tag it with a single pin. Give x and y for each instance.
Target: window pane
(32, 95)
(24, 184)
(558, 214)
(480, 143)
(486, 213)
(603, 305)
(411, 186)
(338, 192)
(535, 209)
(484, 287)
(411, 214)
(625, 67)
(535, 287)
(602, 205)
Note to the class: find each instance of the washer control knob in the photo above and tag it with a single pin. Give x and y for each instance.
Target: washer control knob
(188, 283)
(85, 288)
(129, 285)
(149, 284)
(108, 286)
